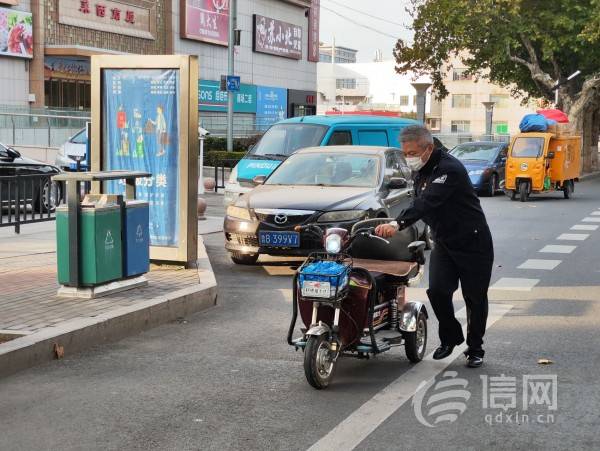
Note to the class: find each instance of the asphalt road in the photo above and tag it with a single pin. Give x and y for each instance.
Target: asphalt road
(225, 379)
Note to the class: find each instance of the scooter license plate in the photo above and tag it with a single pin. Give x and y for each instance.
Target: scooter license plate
(315, 289)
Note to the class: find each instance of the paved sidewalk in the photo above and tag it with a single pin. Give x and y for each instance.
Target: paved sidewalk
(31, 310)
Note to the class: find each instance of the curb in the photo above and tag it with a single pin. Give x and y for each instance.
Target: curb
(589, 176)
(81, 333)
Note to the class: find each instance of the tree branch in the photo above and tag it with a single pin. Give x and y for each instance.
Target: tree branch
(556, 68)
(541, 78)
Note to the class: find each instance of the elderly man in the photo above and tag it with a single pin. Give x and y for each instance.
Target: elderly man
(446, 201)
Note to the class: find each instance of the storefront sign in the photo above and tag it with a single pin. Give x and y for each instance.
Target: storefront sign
(277, 38)
(205, 20)
(141, 133)
(314, 16)
(210, 98)
(271, 106)
(110, 16)
(66, 68)
(16, 33)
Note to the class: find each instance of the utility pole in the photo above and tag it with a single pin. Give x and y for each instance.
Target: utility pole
(231, 70)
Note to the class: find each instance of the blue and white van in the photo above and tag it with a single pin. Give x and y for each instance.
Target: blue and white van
(285, 137)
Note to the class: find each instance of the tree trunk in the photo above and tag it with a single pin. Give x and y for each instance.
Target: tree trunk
(584, 113)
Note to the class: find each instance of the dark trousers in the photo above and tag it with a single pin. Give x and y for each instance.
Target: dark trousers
(473, 268)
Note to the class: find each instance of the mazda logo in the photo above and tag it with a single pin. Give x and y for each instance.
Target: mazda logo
(280, 218)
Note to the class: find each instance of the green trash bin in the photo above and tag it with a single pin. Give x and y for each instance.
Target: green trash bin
(100, 250)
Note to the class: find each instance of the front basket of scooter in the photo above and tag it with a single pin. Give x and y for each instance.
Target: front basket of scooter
(324, 277)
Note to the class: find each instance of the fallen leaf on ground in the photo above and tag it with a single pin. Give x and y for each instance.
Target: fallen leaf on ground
(59, 351)
(545, 362)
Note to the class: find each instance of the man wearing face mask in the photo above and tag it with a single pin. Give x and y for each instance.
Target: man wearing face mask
(446, 201)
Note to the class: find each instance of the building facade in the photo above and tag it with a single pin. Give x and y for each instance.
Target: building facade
(463, 111)
(343, 55)
(16, 28)
(374, 86)
(276, 57)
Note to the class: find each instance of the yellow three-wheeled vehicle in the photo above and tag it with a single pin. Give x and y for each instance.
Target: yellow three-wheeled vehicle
(542, 162)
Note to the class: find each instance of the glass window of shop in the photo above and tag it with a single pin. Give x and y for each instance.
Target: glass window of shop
(62, 93)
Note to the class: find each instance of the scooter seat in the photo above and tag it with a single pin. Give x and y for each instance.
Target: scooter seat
(401, 269)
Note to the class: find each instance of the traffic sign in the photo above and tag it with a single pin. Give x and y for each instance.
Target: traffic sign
(233, 83)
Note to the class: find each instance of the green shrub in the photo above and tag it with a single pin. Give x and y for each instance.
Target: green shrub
(213, 143)
(220, 158)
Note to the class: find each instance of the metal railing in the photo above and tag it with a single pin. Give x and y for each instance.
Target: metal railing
(26, 199)
(220, 170)
(48, 129)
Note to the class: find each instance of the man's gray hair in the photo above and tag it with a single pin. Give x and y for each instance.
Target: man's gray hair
(416, 133)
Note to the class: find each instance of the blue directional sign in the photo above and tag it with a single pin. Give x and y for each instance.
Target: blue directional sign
(233, 83)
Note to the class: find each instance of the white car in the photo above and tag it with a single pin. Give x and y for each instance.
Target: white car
(75, 147)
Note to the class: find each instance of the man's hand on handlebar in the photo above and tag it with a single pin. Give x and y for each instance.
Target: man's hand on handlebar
(386, 230)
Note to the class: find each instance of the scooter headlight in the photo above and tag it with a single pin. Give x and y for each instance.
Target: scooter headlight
(333, 244)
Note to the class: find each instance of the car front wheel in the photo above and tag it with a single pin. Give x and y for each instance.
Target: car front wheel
(243, 259)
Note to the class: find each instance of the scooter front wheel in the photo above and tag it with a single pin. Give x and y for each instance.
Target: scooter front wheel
(319, 361)
(415, 342)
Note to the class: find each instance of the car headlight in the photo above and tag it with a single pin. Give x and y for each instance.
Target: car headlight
(339, 216)
(333, 244)
(476, 172)
(233, 176)
(239, 213)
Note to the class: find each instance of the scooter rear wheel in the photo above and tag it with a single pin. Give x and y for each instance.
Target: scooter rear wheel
(415, 343)
(319, 365)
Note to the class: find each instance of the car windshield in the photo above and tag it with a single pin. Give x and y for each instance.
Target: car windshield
(482, 152)
(327, 169)
(528, 147)
(282, 140)
(80, 138)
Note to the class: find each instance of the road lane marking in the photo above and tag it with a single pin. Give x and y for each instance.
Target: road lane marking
(367, 418)
(596, 213)
(533, 263)
(557, 249)
(588, 219)
(515, 284)
(585, 227)
(573, 236)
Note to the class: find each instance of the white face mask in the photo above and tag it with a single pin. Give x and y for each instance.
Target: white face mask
(415, 163)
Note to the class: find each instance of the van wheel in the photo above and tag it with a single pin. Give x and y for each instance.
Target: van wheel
(243, 259)
(523, 191)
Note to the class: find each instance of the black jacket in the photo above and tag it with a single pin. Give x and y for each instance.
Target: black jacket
(446, 201)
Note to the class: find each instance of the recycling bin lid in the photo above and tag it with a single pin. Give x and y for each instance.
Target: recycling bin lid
(130, 203)
(91, 208)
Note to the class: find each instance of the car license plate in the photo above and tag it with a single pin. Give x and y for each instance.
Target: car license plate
(316, 289)
(279, 239)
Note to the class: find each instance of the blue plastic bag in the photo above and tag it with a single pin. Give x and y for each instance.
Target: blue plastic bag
(533, 123)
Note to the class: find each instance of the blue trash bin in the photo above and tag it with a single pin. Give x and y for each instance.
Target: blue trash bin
(136, 239)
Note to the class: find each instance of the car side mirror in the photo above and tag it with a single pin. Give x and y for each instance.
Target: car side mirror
(12, 153)
(259, 179)
(397, 183)
(550, 155)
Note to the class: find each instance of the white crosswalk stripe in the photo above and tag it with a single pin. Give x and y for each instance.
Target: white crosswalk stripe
(589, 219)
(515, 284)
(557, 249)
(573, 236)
(585, 227)
(533, 263)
